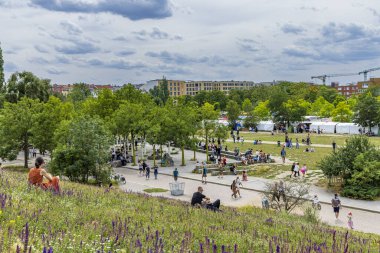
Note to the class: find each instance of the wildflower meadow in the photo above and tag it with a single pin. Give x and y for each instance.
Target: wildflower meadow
(92, 219)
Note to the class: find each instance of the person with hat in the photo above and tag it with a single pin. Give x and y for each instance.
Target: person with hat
(350, 223)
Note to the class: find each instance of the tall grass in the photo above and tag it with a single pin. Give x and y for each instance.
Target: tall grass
(92, 219)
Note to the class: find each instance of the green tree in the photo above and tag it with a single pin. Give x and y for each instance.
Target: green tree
(358, 164)
(83, 150)
(16, 123)
(160, 92)
(103, 105)
(127, 120)
(208, 117)
(342, 112)
(233, 112)
(296, 110)
(79, 93)
(26, 84)
(262, 111)
(247, 105)
(367, 111)
(46, 122)
(2, 79)
(321, 107)
(131, 94)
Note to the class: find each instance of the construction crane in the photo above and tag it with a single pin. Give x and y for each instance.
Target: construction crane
(323, 77)
(365, 72)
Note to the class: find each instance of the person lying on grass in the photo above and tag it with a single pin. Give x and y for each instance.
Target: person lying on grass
(36, 177)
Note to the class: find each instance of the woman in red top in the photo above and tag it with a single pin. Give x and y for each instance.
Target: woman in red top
(36, 177)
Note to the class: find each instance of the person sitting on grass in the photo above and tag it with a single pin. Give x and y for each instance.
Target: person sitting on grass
(200, 200)
(36, 177)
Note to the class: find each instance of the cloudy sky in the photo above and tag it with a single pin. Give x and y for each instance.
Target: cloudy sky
(120, 41)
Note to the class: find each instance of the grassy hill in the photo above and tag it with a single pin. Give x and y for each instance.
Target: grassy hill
(92, 219)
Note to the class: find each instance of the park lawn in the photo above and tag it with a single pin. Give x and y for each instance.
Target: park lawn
(326, 139)
(296, 155)
(93, 219)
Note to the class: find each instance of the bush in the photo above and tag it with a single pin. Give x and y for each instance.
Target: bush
(311, 215)
(361, 192)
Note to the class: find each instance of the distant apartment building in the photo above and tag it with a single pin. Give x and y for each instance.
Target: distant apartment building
(347, 90)
(371, 83)
(356, 89)
(179, 87)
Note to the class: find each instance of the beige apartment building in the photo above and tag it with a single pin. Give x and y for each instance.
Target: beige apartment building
(179, 87)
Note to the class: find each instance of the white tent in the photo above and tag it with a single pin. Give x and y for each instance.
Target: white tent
(347, 128)
(326, 127)
(223, 122)
(375, 130)
(265, 126)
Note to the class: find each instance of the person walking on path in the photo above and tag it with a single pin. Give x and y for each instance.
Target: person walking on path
(297, 144)
(297, 170)
(175, 174)
(155, 171)
(234, 189)
(292, 170)
(303, 170)
(350, 223)
(204, 174)
(334, 145)
(238, 185)
(147, 172)
(283, 154)
(335, 203)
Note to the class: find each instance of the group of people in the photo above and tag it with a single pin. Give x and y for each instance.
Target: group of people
(258, 157)
(296, 169)
(144, 170)
(235, 188)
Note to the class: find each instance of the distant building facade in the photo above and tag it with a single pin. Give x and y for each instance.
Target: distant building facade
(357, 89)
(180, 87)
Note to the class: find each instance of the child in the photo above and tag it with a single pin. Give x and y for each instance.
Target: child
(245, 176)
(350, 222)
(155, 171)
(303, 170)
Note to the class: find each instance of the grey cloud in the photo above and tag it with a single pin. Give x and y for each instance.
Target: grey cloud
(62, 60)
(290, 28)
(78, 47)
(155, 34)
(338, 43)
(115, 64)
(38, 60)
(249, 45)
(125, 53)
(71, 28)
(134, 10)
(55, 71)
(120, 38)
(342, 32)
(176, 58)
(41, 49)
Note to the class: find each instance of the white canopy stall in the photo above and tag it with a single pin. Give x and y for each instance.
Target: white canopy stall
(265, 126)
(347, 128)
(325, 127)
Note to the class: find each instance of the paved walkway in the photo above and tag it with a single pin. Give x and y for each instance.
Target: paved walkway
(363, 220)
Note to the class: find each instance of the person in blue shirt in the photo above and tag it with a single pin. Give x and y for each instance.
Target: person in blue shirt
(175, 174)
(283, 154)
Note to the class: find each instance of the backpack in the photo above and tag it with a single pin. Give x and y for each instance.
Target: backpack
(335, 202)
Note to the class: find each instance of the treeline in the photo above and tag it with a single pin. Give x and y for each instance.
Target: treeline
(79, 129)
